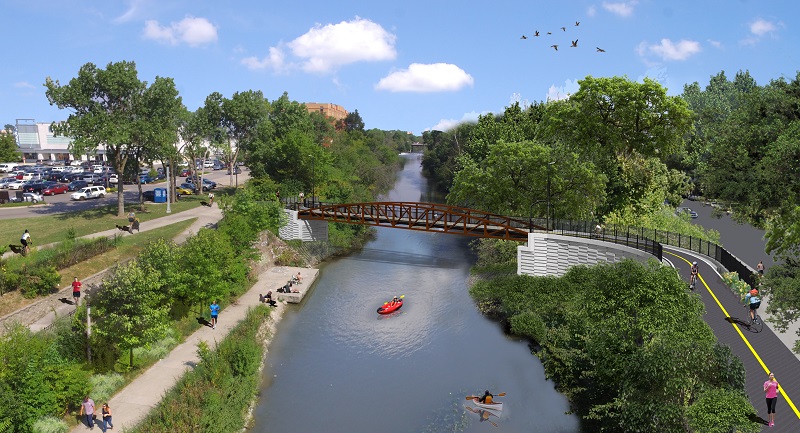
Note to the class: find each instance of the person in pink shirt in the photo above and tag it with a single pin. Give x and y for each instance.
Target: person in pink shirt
(771, 388)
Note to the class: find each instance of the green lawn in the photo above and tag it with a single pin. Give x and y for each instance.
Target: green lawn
(53, 228)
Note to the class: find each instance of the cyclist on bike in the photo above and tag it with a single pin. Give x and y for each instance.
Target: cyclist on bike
(752, 299)
(693, 276)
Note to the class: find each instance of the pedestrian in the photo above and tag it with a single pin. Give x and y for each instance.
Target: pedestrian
(87, 411)
(214, 314)
(210, 199)
(760, 268)
(106, 423)
(302, 198)
(771, 387)
(76, 290)
(131, 217)
(26, 241)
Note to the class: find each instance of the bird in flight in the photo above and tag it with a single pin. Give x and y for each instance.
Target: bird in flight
(575, 43)
(554, 46)
(577, 23)
(564, 29)
(536, 33)
(549, 33)
(600, 50)
(524, 37)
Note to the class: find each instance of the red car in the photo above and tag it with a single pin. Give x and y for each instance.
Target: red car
(59, 188)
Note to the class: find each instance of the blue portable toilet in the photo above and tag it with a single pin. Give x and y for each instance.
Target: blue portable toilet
(160, 195)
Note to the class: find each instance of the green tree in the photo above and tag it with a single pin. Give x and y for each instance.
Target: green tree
(9, 152)
(722, 411)
(236, 120)
(353, 122)
(130, 310)
(112, 108)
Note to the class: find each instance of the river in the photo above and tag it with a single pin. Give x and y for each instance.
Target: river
(337, 366)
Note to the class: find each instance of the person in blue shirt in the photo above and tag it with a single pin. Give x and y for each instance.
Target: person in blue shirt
(214, 313)
(752, 299)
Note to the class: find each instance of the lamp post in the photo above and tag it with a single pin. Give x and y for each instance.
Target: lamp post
(167, 169)
(549, 170)
(313, 176)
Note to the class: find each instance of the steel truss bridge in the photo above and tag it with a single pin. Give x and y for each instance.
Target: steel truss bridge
(431, 217)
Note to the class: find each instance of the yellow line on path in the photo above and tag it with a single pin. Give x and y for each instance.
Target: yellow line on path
(739, 331)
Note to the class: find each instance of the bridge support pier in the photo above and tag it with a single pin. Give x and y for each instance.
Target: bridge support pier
(548, 254)
(304, 230)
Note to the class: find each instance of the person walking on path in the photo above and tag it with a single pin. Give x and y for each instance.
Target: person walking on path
(76, 290)
(214, 314)
(87, 411)
(26, 241)
(106, 423)
(771, 387)
(210, 198)
(760, 268)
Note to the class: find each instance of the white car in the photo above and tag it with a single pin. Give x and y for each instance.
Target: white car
(113, 178)
(17, 184)
(32, 197)
(89, 192)
(6, 180)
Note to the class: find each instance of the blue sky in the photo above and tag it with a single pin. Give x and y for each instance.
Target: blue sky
(410, 65)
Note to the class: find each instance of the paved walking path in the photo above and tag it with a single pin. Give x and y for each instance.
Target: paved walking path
(132, 404)
(41, 314)
(760, 352)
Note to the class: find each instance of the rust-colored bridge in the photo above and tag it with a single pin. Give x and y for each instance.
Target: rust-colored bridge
(423, 217)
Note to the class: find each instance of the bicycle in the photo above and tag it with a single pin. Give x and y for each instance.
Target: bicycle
(755, 324)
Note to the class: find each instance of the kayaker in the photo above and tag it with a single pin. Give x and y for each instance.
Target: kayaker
(487, 398)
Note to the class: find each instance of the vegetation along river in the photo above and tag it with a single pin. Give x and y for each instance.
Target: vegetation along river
(337, 366)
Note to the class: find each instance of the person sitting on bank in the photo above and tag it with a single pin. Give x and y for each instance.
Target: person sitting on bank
(297, 279)
(267, 299)
(487, 398)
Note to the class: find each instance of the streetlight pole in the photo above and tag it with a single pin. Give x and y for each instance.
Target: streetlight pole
(167, 169)
(549, 170)
(313, 176)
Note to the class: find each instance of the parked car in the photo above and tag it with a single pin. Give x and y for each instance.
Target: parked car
(179, 190)
(149, 195)
(89, 192)
(146, 178)
(6, 180)
(32, 197)
(218, 165)
(16, 184)
(113, 178)
(236, 170)
(685, 210)
(55, 188)
(77, 184)
(37, 186)
(207, 184)
(208, 163)
(92, 178)
(186, 172)
(190, 186)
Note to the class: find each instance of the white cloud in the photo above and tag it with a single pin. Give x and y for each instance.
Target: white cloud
(325, 48)
(190, 30)
(24, 85)
(275, 61)
(669, 50)
(591, 11)
(422, 78)
(623, 9)
(448, 124)
(556, 93)
(715, 44)
(760, 27)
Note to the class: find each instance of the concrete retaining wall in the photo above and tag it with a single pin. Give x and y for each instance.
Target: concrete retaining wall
(303, 230)
(549, 254)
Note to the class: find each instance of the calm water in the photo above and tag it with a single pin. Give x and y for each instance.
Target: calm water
(337, 366)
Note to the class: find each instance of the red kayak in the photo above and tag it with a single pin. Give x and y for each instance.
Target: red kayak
(390, 307)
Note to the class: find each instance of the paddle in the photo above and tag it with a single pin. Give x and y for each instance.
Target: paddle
(470, 397)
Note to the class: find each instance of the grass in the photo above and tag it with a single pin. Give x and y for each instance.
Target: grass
(129, 247)
(53, 228)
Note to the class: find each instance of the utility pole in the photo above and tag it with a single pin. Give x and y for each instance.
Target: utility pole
(549, 170)
(167, 169)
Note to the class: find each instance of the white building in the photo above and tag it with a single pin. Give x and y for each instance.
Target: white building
(37, 143)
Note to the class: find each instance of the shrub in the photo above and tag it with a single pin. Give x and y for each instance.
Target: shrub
(40, 280)
(105, 385)
(50, 424)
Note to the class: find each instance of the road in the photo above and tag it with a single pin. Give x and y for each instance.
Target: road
(62, 203)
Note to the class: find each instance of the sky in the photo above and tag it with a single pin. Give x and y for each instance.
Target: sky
(410, 65)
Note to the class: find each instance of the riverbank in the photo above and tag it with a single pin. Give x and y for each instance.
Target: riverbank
(133, 403)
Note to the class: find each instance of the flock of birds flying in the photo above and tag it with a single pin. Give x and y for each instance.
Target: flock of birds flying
(563, 29)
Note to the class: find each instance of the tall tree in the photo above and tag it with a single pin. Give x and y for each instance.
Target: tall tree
(353, 122)
(112, 108)
(237, 120)
(9, 152)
